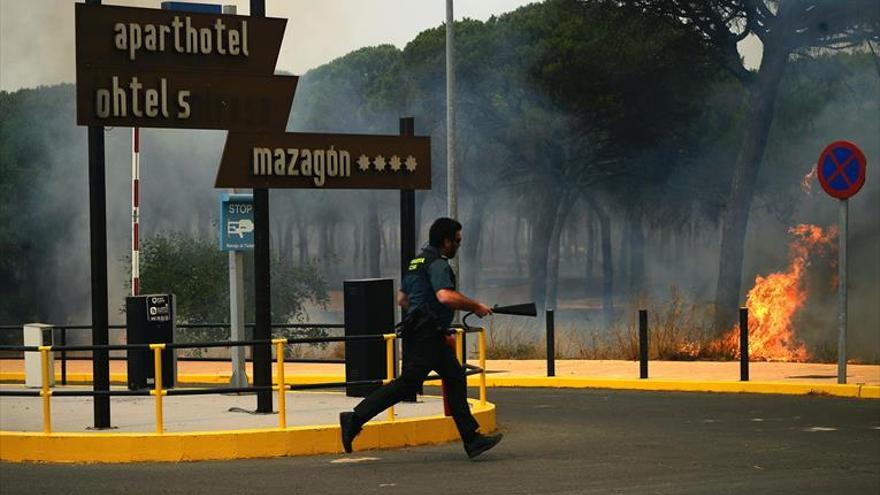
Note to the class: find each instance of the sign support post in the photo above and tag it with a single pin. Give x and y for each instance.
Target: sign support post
(407, 228)
(841, 292)
(841, 172)
(262, 354)
(236, 298)
(98, 242)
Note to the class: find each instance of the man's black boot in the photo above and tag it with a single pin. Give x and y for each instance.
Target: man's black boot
(481, 443)
(349, 429)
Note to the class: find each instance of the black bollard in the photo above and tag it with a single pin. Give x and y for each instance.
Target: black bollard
(643, 343)
(744, 344)
(551, 344)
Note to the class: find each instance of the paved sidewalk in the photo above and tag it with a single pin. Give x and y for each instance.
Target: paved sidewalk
(192, 413)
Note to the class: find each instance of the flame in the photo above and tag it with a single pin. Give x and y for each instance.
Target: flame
(807, 181)
(776, 298)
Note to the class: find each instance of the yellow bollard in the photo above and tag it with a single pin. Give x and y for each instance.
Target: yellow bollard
(158, 392)
(281, 388)
(389, 365)
(482, 343)
(44, 390)
(459, 349)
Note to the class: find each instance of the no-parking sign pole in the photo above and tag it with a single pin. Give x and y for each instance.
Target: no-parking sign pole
(843, 217)
(841, 172)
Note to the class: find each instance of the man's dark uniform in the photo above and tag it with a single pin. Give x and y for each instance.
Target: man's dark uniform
(426, 348)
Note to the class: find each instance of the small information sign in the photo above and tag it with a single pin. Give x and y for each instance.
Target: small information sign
(158, 308)
(236, 222)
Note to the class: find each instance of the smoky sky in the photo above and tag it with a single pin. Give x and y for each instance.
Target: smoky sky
(37, 37)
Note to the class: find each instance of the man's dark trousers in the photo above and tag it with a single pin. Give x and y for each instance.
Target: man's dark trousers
(423, 355)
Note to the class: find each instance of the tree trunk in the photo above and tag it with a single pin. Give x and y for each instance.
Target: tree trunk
(761, 103)
(591, 251)
(334, 260)
(471, 246)
(542, 230)
(607, 262)
(356, 241)
(303, 241)
(374, 250)
(555, 251)
(636, 253)
(515, 243)
(384, 246)
(285, 248)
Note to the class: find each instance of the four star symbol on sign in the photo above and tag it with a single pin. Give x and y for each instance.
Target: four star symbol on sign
(380, 163)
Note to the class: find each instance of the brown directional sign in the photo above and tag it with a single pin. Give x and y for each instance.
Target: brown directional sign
(325, 161)
(158, 68)
(206, 100)
(109, 36)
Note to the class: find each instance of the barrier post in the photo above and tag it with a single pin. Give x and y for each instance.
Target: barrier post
(281, 388)
(158, 392)
(551, 343)
(389, 366)
(459, 348)
(482, 346)
(44, 390)
(643, 343)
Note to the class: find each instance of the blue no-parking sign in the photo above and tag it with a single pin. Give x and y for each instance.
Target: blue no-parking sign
(236, 222)
(841, 169)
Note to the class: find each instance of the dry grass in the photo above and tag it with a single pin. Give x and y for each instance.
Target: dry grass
(677, 330)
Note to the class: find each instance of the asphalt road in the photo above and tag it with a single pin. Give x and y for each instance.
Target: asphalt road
(556, 442)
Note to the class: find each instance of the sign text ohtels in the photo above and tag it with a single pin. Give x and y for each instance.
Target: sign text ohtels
(158, 68)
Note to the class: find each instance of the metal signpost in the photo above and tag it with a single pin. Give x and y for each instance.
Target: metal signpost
(841, 172)
(236, 236)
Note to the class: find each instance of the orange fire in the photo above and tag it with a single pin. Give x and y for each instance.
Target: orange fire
(774, 300)
(807, 181)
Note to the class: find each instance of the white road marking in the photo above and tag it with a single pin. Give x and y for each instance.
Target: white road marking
(818, 428)
(349, 460)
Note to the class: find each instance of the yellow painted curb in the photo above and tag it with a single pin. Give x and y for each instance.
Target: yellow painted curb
(785, 388)
(234, 444)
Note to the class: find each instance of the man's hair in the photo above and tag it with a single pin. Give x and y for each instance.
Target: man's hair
(442, 228)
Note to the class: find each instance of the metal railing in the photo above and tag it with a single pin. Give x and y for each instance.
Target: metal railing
(185, 326)
(158, 392)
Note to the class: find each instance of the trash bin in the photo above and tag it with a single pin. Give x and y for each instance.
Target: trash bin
(369, 310)
(37, 334)
(150, 319)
